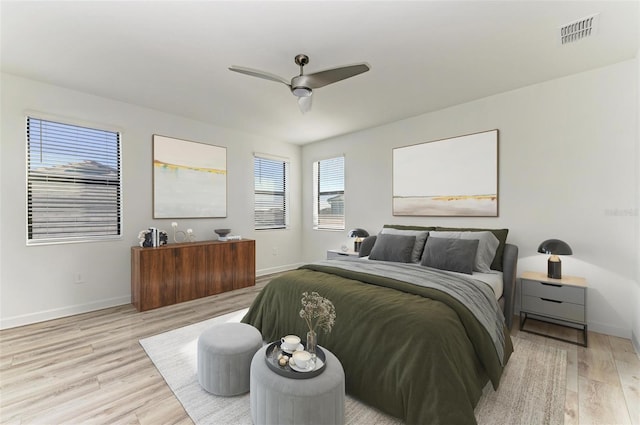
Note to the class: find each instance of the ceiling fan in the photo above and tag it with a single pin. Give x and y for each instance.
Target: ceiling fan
(302, 85)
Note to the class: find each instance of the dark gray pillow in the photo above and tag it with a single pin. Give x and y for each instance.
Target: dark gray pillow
(367, 246)
(396, 248)
(487, 246)
(418, 247)
(501, 234)
(456, 255)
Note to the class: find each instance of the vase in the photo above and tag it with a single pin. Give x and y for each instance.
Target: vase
(312, 342)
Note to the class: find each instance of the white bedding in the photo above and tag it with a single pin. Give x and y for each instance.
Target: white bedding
(493, 279)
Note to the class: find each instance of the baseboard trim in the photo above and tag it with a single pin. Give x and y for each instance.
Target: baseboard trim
(610, 330)
(57, 313)
(635, 342)
(278, 269)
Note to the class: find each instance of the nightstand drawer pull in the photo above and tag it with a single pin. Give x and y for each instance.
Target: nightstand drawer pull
(553, 301)
(550, 284)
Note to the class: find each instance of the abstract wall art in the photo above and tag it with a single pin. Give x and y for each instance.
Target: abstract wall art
(449, 177)
(189, 179)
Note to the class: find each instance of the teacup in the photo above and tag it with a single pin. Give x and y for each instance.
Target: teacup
(302, 359)
(290, 342)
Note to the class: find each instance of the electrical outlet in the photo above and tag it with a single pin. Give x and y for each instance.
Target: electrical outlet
(274, 250)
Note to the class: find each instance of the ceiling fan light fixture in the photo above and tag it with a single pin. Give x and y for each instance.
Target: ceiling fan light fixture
(302, 85)
(301, 91)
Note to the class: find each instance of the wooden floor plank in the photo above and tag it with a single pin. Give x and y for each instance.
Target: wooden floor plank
(571, 408)
(601, 403)
(598, 365)
(165, 409)
(629, 373)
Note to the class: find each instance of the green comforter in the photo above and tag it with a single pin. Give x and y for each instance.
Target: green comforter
(415, 353)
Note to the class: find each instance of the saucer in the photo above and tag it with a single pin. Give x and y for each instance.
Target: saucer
(318, 365)
(310, 367)
(299, 347)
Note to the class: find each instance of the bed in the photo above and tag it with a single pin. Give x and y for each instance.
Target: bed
(416, 340)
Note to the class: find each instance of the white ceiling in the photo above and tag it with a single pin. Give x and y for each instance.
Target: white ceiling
(424, 55)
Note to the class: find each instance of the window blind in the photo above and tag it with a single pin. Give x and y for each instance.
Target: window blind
(73, 183)
(270, 206)
(328, 182)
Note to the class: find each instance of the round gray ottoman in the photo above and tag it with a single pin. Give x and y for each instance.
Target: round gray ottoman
(277, 399)
(224, 357)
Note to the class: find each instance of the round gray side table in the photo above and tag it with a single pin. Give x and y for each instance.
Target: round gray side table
(279, 400)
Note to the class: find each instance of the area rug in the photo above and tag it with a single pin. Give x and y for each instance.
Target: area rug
(532, 389)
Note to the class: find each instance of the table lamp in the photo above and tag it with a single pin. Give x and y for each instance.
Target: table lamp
(359, 234)
(554, 247)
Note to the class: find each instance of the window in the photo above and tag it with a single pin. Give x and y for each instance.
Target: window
(270, 206)
(73, 183)
(328, 194)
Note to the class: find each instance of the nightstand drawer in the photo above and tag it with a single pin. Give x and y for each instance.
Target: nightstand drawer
(551, 308)
(571, 294)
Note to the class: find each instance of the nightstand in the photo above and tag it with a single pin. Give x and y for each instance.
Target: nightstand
(332, 254)
(559, 301)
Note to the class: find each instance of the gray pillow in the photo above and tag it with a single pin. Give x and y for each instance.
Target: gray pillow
(487, 247)
(501, 234)
(418, 246)
(367, 246)
(456, 255)
(396, 248)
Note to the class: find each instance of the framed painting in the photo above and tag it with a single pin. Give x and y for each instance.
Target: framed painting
(449, 177)
(189, 179)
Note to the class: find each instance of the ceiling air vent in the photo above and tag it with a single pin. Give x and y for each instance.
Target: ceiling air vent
(579, 29)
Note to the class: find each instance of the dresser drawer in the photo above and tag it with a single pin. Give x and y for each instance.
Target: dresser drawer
(551, 291)
(559, 310)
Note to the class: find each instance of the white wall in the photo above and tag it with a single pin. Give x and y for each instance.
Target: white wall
(567, 170)
(37, 282)
(635, 331)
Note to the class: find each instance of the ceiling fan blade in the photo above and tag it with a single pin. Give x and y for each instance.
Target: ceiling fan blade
(329, 76)
(305, 103)
(259, 74)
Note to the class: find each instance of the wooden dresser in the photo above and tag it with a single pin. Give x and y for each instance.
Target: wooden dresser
(180, 272)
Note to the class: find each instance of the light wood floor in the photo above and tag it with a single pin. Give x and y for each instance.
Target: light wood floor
(603, 380)
(90, 368)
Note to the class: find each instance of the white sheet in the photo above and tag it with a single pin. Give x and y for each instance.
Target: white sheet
(493, 279)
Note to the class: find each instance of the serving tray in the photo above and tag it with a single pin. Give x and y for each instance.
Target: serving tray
(271, 357)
